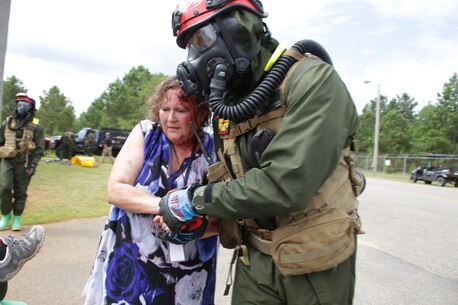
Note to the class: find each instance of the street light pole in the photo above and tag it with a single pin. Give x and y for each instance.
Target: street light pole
(377, 132)
(376, 128)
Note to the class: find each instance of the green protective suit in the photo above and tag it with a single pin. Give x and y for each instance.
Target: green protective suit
(14, 180)
(89, 144)
(66, 145)
(320, 121)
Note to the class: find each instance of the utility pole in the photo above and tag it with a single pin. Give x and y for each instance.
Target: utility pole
(377, 129)
(5, 6)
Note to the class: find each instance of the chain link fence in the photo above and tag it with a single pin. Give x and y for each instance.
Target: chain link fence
(396, 164)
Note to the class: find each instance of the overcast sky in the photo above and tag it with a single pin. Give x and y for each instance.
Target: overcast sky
(82, 46)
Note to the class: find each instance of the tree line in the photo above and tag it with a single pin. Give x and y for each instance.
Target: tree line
(121, 105)
(432, 130)
(403, 130)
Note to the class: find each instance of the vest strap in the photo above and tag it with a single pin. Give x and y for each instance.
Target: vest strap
(294, 54)
(264, 246)
(251, 124)
(232, 150)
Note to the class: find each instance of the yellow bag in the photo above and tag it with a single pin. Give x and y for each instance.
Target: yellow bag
(315, 243)
(83, 161)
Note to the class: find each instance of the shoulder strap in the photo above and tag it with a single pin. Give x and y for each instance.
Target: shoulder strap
(250, 124)
(298, 56)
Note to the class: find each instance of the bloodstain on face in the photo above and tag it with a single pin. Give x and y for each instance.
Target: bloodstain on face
(175, 114)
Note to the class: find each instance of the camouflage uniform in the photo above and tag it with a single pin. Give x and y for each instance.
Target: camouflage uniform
(14, 180)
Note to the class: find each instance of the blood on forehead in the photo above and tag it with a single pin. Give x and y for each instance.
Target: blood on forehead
(187, 101)
(183, 100)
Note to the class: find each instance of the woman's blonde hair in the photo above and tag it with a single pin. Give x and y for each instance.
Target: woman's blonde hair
(159, 96)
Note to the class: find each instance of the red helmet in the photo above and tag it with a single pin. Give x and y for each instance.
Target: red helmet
(191, 14)
(25, 98)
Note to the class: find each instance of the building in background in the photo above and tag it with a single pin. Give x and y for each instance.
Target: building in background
(5, 6)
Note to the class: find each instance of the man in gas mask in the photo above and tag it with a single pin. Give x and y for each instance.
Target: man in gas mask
(21, 148)
(285, 188)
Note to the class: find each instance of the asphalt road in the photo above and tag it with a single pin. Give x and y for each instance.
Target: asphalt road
(409, 254)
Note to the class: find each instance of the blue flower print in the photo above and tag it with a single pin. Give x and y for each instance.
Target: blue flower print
(126, 278)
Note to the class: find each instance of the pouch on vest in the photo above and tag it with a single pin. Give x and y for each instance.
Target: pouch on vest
(7, 152)
(314, 244)
(230, 233)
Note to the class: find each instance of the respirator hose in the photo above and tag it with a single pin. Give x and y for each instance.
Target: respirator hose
(21, 124)
(247, 108)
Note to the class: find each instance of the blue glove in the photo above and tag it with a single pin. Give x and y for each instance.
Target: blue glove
(176, 208)
(190, 231)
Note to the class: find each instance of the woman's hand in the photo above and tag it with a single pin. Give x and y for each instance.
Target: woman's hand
(199, 227)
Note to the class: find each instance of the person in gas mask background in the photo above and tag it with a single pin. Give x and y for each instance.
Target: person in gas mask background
(284, 124)
(21, 148)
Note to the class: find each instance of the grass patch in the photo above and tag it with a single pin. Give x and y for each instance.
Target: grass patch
(60, 192)
(393, 177)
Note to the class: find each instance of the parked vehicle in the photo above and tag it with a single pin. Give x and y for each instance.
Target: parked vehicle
(428, 174)
(119, 137)
(55, 142)
(47, 143)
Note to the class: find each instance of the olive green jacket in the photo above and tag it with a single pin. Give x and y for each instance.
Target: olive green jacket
(320, 121)
(38, 139)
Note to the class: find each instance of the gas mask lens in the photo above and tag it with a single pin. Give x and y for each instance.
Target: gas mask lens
(23, 108)
(201, 40)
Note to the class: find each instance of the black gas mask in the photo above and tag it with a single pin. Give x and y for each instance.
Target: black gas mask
(23, 109)
(224, 42)
(206, 50)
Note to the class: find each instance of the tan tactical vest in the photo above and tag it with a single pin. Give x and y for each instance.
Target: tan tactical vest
(18, 147)
(318, 238)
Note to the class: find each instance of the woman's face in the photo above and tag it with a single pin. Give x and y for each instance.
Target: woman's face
(175, 114)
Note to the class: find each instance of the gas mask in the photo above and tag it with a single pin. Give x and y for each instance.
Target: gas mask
(23, 108)
(206, 49)
(224, 42)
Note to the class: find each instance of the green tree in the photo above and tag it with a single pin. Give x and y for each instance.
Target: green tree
(11, 87)
(428, 133)
(404, 105)
(397, 117)
(56, 113)
(122, 105)
(394, 133)
(448, 112)
(365, 134)
(366, 129)
(396, 125)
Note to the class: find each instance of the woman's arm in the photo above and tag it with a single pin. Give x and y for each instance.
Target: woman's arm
(127, 166)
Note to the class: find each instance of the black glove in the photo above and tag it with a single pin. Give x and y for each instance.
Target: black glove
(190, 231)
(31, 170)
